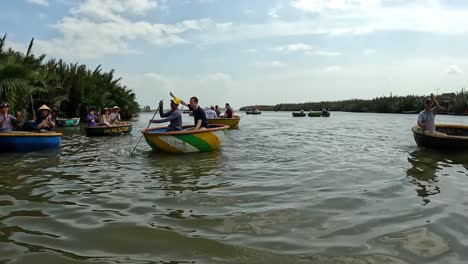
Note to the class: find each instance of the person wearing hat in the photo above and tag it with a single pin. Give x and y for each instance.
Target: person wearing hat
(105, 118)
(91, 117)
(229, 113)
(426, 119)
(174, 116)
(115, 116)
(44, 121)
(7, 121)
(199, 115)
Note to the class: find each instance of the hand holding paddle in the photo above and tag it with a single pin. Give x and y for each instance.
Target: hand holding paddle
(157, 110)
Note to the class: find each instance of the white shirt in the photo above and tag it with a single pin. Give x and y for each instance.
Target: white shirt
(428, 119)
(210, 114)
(114, 117)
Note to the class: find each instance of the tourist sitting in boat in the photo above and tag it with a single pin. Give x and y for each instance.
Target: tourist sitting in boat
(211, 113)
(92, 118)
(218, 112)
(44, 121)
(199, 115)
(115, 116)
(7, 121)
(174, 116)
(105, 118)
(229, 112)
(426, 119)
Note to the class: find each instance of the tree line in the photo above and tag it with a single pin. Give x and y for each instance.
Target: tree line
(451, 103)
(27, 81)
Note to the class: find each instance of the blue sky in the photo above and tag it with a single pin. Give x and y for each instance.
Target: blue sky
(254, 52)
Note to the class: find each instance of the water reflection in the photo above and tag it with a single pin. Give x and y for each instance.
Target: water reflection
(426, 169)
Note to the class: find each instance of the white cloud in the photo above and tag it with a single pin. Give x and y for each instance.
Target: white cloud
(250, 51)
(269, 64)
(294, 47)
(454, 69)
(248, 11)
(369, 52)
(39, 2)
(326, 53)
(316, 6)
(273, 12)
(219, 76)
(334, 68)
(104, 27)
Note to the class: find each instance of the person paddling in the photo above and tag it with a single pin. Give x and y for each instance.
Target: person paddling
(174, 116)
(199, 115)
(426, 118)
(7, 121)
(229, 113)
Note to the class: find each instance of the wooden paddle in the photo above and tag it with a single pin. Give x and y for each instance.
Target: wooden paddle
(142, 135)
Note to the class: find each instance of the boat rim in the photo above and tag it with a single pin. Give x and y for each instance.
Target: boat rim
(417, 130)
(30, 134)
(235, 117)
(101, 127)
(216, 127)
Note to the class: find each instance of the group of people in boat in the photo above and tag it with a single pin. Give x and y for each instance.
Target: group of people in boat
(200, 116)
(44, 122)
(109, 117)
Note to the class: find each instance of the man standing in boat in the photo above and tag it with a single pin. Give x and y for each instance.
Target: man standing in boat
(174, 116)
(199, 115)
(426, 119)
(7, 121)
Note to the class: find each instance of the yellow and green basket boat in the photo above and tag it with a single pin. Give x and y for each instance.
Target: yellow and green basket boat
(185, 141)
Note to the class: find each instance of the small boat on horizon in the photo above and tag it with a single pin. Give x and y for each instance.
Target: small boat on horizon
(108, 130)
(185, 141)
(23, 141)
(299, 114)
(454, 137)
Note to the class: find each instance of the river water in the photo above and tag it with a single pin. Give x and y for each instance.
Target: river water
(352, 188)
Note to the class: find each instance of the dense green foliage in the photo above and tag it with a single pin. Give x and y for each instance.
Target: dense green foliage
(28, 81)
(452, 103)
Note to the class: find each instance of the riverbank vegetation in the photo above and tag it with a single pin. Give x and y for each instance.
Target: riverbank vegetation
(450, 102)
(28, 81)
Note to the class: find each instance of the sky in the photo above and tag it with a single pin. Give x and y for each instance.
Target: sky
(248, 52)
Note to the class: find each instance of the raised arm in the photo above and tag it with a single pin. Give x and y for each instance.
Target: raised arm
(181, 101)
(435, 103)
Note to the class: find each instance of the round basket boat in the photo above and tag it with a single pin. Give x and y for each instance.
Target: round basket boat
(108, 131)
(445, 137)
(298, 114)
(28, 141)
(68, 122)
(231, 122)
(185, 141)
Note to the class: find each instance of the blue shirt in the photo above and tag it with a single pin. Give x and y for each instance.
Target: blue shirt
(173, 116)
(7, 125)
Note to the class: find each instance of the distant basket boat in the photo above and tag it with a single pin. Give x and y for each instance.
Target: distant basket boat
(410, 112)
(67, 122)
(108, 130)
(446, 137)
(314, 114)
(300, 114)
(19, 141)
(254, 112)
(231, 122)
(185, 141)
